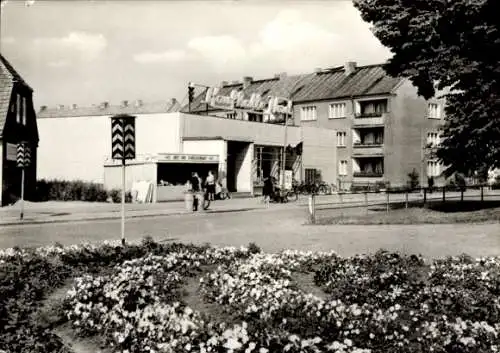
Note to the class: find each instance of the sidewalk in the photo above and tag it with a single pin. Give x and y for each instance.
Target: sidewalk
(71, 211)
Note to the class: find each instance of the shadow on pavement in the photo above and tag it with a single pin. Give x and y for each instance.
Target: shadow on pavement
(231, 211)
(168, 240)
(445, 207)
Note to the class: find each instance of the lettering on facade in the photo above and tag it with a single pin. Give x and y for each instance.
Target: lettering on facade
(187, 157)
(255, 103)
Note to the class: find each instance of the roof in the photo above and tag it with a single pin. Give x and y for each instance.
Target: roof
(322, 85)
(8, 75)
(131, 108)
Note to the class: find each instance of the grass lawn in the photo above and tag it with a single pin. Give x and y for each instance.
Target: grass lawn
(434, 213)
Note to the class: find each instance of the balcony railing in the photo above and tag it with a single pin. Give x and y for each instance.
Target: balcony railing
(370, 115)
(369, 144)
(370, 119)
(368, 174)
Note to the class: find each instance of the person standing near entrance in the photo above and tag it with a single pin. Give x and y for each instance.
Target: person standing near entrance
(267, 190)
(210, 184)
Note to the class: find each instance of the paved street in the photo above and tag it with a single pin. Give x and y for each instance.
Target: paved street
(281, 226)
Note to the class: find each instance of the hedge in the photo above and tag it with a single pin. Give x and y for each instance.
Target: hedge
(64, 190)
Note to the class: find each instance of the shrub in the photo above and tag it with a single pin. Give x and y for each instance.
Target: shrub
(63, 190)
(116, 196)
(413, 181)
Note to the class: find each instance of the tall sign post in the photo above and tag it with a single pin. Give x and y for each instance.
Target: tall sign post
(283, 156)
(123, 148)
(23, 159)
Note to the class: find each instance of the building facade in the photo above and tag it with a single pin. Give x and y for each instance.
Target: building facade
(18, 124)
(382, 127)
(77, 140)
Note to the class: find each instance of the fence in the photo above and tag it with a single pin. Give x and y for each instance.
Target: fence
(405, 197)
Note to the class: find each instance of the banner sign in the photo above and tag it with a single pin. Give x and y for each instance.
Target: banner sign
(256, 103)
(193, 158)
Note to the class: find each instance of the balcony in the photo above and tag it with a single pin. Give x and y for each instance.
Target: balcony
(368, 149)
(370, 119)
(367, 175)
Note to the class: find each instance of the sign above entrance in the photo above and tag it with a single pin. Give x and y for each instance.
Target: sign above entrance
(187, 158)
(255, 103)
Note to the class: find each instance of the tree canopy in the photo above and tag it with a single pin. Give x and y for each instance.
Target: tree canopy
(451, 45)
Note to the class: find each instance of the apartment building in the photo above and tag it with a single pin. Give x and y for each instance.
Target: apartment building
(383, 129)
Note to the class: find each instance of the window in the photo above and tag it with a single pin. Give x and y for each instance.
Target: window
(373, 108)
(433, 139)
(341, 135)
(434, 111)
(255, 117)
(343, 168)
(18, 113)
(231, 115)
(24, 110)
(308, 113)
(337, 110)
(433, 168)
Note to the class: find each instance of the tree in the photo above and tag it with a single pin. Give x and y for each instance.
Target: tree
(453, 46)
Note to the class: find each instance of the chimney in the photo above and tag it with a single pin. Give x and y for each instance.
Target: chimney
(173, 101)
(124, 103)
(74, 106)
(104, 105)
(43, 108)
(138, 103)
(349, 67)
(247, 81)
(60, 106)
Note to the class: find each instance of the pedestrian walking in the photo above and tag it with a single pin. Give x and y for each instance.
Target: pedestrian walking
(196, 187)
(223, 186)
(267, 191)
(210, 185)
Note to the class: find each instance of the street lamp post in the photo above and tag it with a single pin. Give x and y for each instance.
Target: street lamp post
(283, 156)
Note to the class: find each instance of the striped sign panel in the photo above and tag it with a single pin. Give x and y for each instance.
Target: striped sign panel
(23, 155)
(123, 137)
(20, 155)
(27, 156)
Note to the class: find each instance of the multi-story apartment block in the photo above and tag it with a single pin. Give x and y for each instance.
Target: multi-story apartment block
(383, 128)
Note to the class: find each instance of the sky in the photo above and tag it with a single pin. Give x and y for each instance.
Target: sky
(91, 51)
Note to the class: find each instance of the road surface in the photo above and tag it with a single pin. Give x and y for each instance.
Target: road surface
(272, 229)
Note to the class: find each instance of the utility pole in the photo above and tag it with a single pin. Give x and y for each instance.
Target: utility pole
(283, 157)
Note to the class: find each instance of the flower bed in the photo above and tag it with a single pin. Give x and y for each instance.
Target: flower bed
(377, 303)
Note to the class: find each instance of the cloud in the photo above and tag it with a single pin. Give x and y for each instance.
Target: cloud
(291, 41)
(219, 50)
(166, 56)
(86, 46)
